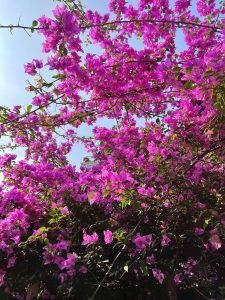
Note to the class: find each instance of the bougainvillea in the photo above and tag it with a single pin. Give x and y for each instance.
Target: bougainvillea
(148, 212)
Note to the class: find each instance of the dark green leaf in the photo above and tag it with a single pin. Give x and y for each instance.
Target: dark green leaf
(34, 23)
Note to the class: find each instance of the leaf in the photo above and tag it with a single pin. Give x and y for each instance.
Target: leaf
(144, 268)
(106, 192)
(20, 133)
(125, 202)
(34, 23)
(176, 69)
(62, 49)
(29, 107)
(206, 223)
(126, 268)
(189, 84)
(90, 195)
(189, 69)
(43, 229)
(106, 151)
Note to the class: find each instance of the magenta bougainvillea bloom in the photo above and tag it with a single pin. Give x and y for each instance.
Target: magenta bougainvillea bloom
(108, 236)
(165, 240)
(30, 68)
(150, 259)
(142, 242)
(88, 239)
(199, 231)
(215, 241)
(158, 275)
(2, 275)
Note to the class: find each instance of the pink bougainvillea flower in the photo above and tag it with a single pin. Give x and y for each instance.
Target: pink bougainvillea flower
(70, 261)
(158, 275)
(83, 269)
(165, 240)
(215, 241)
(11, 262)
(199, 231)
(64, 210)
(150, 260)
(108, 236)
(30, 68)
(87, 239)
(142, 241)
(178, 278)
(2, 275)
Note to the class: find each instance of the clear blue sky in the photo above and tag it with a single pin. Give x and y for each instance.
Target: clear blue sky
(18, 48)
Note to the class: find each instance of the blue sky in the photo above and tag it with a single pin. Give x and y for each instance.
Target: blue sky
(18, 47)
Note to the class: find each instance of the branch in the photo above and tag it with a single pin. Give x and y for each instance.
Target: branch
(200, 293)
(21, 27)
(205, 153)
(178, 23)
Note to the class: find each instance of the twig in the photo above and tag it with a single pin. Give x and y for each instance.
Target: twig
(200, 293)
(152, 21)
(21, 27)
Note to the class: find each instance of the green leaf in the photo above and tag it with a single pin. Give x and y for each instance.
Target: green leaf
(125, 202)
(189, 84)
(143, 268)
(55, 76)
(176, 69)
(189, 69)
(208, 73)
(29, 107)
(43, 229)
(62, 49)
(106, 192)
(34, 23)
(90, 195)
(106, 151)
(206, 223)
(20, 133)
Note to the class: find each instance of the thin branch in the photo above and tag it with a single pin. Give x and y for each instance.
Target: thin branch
(21, 27)
(152, 21)
(178, 23)
(205, 153)
(200, 293)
